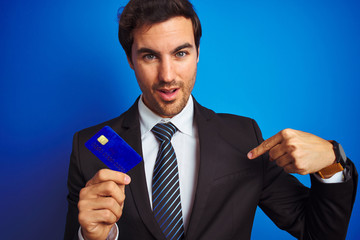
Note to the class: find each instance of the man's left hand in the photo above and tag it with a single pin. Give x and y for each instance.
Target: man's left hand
(296, 151)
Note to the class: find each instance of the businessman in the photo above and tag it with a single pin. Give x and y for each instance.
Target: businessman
(203, 174)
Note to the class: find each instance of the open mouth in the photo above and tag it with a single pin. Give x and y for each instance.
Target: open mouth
(168, 94)
(168, 91)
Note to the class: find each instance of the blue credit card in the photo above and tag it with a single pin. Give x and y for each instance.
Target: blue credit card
(112, 150)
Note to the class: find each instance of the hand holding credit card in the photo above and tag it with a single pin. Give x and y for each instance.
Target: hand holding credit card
(112, 150)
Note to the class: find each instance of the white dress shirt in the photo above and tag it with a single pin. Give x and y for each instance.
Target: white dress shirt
(186, 145)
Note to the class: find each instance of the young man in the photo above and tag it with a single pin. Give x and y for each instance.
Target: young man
(221, 167)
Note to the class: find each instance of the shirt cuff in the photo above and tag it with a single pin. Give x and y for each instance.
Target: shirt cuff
(113, 234)
(336, 178)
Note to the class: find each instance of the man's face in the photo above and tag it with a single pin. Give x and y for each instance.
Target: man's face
(164, 58)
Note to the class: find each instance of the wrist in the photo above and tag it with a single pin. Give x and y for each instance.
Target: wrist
(338, 164)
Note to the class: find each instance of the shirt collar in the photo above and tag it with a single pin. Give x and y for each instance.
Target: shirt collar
(183, 120)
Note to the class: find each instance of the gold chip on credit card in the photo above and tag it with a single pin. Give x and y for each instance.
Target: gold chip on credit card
(103, 140)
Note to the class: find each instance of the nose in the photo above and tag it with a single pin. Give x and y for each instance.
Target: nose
(166, 70)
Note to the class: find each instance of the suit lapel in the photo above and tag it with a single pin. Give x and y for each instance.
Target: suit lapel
(130, 132)
(208, 154)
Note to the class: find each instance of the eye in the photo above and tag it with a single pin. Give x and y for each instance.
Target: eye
(149, 57)
(181, 54)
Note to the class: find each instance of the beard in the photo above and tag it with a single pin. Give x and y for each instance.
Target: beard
(171, 108)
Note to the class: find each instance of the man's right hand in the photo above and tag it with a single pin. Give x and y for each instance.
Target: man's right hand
(101, 203)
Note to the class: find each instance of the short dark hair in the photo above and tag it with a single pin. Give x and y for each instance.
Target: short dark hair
(139, 12)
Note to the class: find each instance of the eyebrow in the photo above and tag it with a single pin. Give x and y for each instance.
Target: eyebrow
(148, 50)
(185, 45)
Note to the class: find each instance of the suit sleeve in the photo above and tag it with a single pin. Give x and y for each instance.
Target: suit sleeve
(75, 183)
(320, 212)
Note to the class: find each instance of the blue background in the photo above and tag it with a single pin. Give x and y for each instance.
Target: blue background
(287, 64)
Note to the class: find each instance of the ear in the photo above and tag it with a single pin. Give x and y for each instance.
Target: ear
(198, 54)
(130, 63)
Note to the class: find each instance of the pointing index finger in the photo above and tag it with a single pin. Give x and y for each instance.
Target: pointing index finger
(265, 146)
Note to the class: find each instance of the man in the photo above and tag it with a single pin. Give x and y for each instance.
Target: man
(222, 170)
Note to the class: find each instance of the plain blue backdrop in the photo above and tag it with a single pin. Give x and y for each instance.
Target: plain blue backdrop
(287, 64)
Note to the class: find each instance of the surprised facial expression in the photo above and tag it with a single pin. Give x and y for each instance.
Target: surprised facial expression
(164, 58)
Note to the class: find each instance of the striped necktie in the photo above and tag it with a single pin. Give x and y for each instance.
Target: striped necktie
(165, 185)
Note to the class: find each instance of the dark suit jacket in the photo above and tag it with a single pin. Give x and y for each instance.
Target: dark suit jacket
(229, 188)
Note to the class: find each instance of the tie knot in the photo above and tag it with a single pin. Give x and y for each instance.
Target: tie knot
(164, 131)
